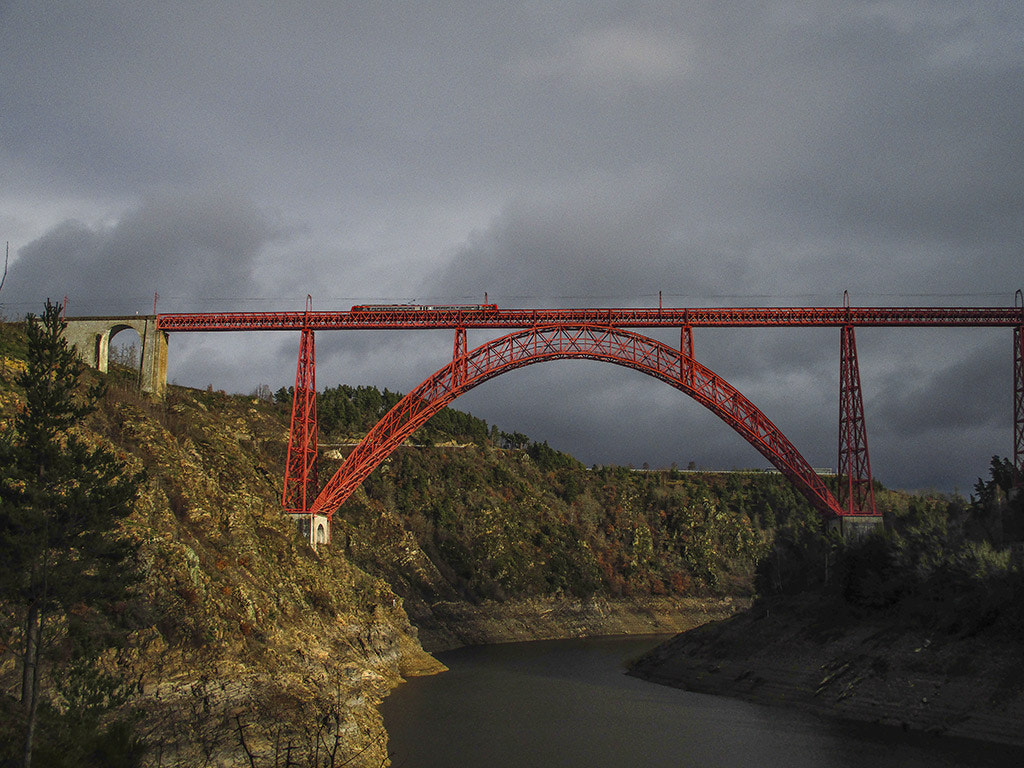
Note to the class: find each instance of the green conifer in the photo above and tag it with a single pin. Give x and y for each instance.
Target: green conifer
(61, 500)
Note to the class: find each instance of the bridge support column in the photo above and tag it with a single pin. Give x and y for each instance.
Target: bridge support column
(1018, 404)
(856, 493)
(153, 377)
(459, 358)
(300, 476)
(686, 348)
(852, 528)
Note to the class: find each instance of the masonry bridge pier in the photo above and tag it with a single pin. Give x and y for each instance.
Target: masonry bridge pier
(91, 337)
(541, 335)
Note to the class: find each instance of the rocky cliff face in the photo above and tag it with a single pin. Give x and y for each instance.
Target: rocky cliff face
(254, 647)
(259, 645)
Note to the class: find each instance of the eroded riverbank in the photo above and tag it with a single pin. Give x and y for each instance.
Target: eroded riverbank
(842, 666)
(449, 625)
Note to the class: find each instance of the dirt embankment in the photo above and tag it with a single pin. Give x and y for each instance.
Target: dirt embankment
(820, 659)
(446, 625)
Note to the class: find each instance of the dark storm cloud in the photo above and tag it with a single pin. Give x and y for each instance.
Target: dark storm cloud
(202, 246)
(936, 159)
(603, 240)
(574, 154)
(965, 389)
(842, 149)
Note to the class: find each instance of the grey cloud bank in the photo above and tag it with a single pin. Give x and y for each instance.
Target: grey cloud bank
(240, 156)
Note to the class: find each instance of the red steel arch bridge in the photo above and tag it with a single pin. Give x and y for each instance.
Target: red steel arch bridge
(609, 335)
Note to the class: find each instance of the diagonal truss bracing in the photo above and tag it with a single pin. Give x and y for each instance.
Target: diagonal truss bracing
(593, 342)
(856, 492)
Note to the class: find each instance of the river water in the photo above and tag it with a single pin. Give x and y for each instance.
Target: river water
(568, 703)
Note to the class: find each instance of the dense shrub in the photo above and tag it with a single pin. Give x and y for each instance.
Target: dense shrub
(944, 561)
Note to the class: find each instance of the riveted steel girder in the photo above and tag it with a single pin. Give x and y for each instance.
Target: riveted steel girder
(721, 317)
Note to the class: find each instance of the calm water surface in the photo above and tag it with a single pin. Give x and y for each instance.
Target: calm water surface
(568, 703)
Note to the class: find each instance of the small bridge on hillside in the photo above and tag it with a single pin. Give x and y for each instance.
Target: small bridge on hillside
(542, 335)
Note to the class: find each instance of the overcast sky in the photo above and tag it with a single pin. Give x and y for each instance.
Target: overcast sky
(237, 156)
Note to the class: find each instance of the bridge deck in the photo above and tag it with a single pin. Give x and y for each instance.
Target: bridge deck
(441, 317)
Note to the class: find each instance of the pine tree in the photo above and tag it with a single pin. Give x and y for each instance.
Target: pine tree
(61, 501)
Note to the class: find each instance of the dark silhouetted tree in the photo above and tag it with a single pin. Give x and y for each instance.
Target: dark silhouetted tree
(64, 568)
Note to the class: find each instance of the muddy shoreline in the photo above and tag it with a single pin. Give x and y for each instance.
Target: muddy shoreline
(445, 626)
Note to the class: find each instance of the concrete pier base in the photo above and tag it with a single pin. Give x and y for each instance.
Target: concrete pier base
(315, 528)
(853, 528)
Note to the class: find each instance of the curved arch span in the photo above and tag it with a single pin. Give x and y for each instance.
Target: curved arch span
(560, 342)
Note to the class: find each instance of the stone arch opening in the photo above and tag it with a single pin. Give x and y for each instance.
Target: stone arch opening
(123, 351)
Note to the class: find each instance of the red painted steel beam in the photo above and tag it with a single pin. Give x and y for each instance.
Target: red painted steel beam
(856, 492)
(459, 357)
(301, 479)
(721, 317)
(535, 345)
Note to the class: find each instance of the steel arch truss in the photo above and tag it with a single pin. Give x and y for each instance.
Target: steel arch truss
(559, 342)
